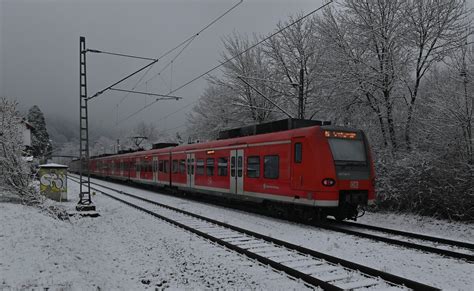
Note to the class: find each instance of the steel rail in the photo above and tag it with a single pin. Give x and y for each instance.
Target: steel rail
(450, 242)
(393, 241)
(309, 279)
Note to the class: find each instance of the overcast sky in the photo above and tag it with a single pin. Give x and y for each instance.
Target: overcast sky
(39, 48)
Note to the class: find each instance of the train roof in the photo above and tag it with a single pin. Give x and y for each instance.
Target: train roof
(256, 138)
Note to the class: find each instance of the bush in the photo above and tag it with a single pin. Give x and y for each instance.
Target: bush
(426, 184)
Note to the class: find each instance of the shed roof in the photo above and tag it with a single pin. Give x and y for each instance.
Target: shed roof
(53, 165)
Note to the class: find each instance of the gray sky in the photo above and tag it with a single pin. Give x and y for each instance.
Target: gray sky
(39, 44)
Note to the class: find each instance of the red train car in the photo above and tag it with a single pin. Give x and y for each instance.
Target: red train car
(314, 170)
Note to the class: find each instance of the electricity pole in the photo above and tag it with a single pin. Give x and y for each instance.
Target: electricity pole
(85, 201)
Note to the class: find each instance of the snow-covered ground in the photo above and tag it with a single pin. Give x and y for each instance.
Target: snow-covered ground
(126, 249)
(122, 249)
(431, 269)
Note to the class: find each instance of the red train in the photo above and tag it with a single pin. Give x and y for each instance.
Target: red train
(301, 166)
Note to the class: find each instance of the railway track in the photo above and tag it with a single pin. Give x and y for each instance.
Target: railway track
(314, 268)
(437, 245)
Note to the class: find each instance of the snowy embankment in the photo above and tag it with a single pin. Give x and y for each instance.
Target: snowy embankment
(122, 249)
(431, 269)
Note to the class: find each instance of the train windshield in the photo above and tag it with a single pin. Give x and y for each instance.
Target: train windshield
(347, 150)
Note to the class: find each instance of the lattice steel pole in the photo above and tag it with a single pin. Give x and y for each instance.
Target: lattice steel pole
(85, 201)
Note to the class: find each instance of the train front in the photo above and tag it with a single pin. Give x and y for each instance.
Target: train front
(354, 171)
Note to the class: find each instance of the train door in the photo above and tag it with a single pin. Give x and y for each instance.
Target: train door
(297, 167)
(190, 170)
(237, 171)
(155, 169)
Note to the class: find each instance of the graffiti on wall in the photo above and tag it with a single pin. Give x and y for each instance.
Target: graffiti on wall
(53, 180)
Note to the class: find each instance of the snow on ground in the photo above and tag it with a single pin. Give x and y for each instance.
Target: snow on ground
(421, 224)
(431, 269)
(122, 249)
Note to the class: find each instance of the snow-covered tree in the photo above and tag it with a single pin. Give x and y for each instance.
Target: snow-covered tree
(254, 68)
(214, 113)
(40, 143)
(436, 28)
(15, 174)
(368, 38)
(294, 57)
(449, 106)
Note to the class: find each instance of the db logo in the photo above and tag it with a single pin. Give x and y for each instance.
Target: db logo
(354, 184)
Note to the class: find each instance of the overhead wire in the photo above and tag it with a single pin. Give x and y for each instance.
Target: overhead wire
(165, 54)
(228, 60)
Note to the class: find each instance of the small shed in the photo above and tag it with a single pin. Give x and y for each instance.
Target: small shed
(53, 181)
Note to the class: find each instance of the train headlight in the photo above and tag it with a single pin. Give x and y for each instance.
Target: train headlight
(328, 182)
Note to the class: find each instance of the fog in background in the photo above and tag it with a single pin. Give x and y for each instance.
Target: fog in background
(39, 53)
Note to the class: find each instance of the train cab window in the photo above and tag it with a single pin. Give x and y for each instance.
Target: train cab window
(271, 167)
(298, 152)
(175, 166)
(253, 167)
(182, 166)
(232, 167)
(210, 167)
(166, 166)
(200, 167)
(222, 167)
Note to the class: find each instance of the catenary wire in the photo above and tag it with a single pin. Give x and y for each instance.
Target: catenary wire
(228, 60)
(166, 53)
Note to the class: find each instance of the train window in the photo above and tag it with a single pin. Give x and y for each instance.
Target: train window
(160, 166)
(222, 167)
(192, 167)
(175, 166)
(166, 166)
(253, 167)
(232, 167)
(271, 167)
(298, 152)
(137, 166)
(182, 166)
(210, 167)
(199, 167)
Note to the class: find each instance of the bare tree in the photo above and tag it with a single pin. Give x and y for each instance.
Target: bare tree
(213, 113)
(294, 55)
(435, 28)
(367, 37)
(450, 105)
(254, 68)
